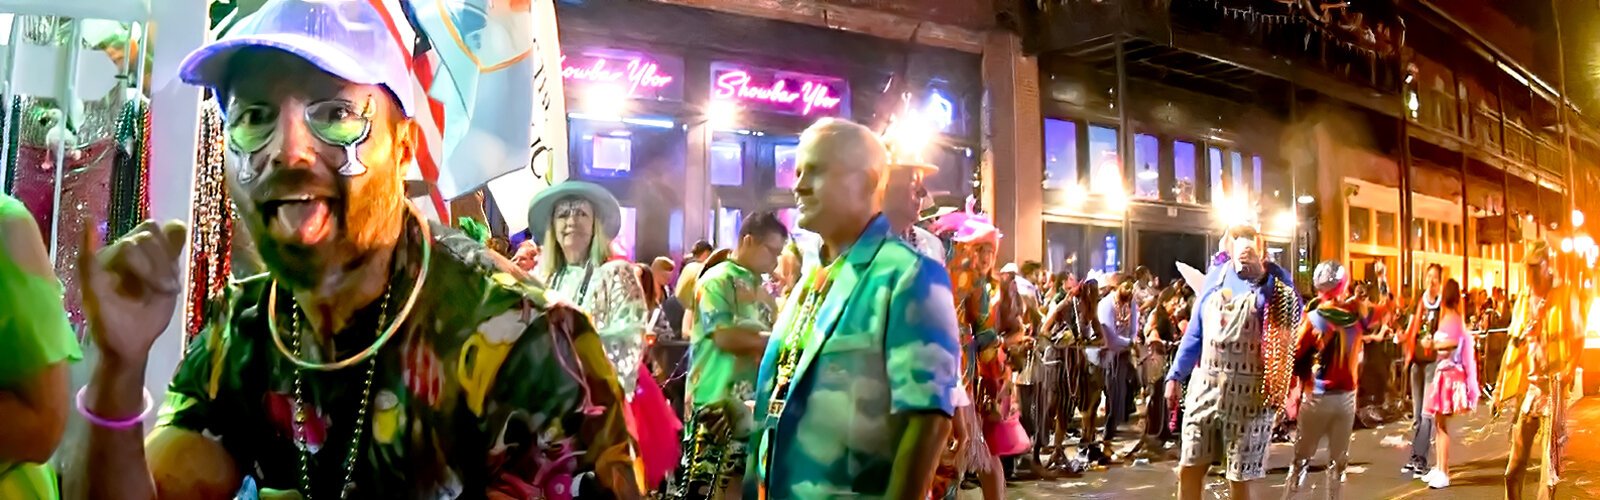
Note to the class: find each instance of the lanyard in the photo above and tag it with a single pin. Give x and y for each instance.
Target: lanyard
(583, 288)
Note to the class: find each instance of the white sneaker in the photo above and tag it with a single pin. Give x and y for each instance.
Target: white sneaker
(1428, 478)
(1438, 480)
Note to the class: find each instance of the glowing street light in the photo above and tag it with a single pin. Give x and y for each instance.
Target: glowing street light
(1577, 218)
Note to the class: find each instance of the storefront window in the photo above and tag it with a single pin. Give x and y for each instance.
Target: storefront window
(955, 170)
(1183, 168)
(727, 163)
(1147, 161)
(784, 166)
(1085, 250)
(1418, 234)
(612, 157)
(1433, 237)
(1255, 176)
(1360, 225)
(1386, 229)
(1216, 166)
(1060, 153)
(675, 233)
(1106, 166)
(726, 220)
(1240, 183)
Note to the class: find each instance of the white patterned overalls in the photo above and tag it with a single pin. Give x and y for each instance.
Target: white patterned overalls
(1226, 408)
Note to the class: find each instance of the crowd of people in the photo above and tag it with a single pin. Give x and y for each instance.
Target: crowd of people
(888, 355)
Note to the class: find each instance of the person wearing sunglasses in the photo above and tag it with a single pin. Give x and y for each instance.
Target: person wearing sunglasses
(381, 355)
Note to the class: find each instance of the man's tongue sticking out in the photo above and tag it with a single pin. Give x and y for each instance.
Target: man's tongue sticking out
(302, 222)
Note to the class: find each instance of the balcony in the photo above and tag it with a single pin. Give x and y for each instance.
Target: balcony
(1221, 46)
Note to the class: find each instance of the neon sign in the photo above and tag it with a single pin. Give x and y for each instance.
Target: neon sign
(780, 91)
(641, 76)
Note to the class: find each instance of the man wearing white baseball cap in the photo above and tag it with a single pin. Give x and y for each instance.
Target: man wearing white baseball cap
(381, 356)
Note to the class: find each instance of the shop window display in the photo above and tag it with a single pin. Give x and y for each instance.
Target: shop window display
(105, 170)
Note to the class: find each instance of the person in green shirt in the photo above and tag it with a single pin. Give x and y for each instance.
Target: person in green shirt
(734, 318)
(37, 343)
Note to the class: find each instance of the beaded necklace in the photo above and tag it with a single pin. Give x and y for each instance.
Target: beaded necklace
(301, 415)
(1124, 314)
(800, 329)
(130, 173)
(210, 261)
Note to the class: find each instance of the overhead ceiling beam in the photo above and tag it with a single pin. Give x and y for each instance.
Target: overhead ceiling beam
(852, 19)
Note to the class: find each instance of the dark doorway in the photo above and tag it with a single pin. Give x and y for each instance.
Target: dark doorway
(1161, 250)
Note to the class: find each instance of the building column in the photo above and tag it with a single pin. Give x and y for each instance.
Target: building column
(1012, 172)
(697, 157)
(1333, 200)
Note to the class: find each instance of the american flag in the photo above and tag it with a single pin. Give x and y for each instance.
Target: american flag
(494, 113)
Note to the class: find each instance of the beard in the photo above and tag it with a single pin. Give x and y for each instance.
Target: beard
(368, 216)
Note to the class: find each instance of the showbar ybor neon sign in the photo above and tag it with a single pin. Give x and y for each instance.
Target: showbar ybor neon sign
(643, 77)
(780, 91)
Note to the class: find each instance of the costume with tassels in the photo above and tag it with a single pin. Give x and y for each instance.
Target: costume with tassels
(1537, 372)
(992, 423)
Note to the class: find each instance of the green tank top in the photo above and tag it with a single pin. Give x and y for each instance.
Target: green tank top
(34, 334)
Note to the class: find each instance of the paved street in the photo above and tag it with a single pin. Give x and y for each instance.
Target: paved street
(1376, 458)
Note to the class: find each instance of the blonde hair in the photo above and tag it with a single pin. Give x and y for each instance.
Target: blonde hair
(553, 260)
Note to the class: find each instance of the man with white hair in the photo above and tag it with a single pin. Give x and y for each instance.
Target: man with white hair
(854, 401)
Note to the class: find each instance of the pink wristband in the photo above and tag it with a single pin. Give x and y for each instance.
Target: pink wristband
(113, 424)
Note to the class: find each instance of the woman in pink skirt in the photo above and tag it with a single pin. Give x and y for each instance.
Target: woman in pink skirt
(1455, 388)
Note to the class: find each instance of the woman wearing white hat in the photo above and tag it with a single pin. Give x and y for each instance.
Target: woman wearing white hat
(575, 223)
